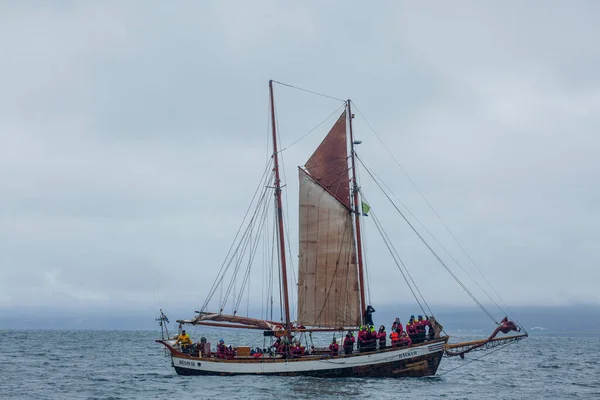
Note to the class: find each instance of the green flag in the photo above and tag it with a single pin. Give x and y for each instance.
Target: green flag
(365, 209)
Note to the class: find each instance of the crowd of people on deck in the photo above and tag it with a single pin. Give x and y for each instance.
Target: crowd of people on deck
(417, 330)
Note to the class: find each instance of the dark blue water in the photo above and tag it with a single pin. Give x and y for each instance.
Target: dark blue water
(129, 365)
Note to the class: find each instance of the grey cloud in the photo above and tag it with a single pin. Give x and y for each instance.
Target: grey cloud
(132, 136)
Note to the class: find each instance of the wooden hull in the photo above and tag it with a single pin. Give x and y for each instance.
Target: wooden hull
(418, 360)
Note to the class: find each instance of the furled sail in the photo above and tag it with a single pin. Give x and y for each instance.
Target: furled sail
(328, 294)
(259, 323)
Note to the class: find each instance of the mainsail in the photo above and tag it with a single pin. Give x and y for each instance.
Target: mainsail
(328, 291)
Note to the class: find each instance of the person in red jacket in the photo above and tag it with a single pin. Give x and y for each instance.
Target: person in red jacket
(297, 350)
(394, 336)
(381, 336)
(348, 343)
(420, 325)
(411, 329)
(334, 348)
(397, 325)
(362, 335)
(221, 349)
(369, 342)
(405, 340)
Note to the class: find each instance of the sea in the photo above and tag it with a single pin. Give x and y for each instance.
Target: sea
(80, 364)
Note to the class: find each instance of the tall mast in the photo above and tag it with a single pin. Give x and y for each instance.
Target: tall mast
(361, 274)
(279, 212)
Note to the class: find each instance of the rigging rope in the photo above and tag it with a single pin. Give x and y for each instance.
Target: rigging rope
(477, 359)
(429, 247)
(436, 214)
(253, 251)
(313, 129)
(309, 91)
(222, 270)
(245, 241)
(388, 244)
(395, 253)
(436, 240)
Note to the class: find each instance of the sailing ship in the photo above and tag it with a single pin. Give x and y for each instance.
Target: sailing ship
(330, 281)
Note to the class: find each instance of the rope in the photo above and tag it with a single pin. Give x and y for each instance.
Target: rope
(437, 241)
(225, 265)
(242, 246)
(314, 128)
(395, 252)
(309, 91)
(477, 359)
(386, 240)
(438, 217)
(429, 247)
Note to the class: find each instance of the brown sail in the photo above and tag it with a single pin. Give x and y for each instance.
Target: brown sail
(328, 294)
(329, 163)
(252, 322)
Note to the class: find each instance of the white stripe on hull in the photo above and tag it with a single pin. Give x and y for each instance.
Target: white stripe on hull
(269, 366)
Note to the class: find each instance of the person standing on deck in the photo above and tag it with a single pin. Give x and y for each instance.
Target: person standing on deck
(381, 336)
(369, 315)
(221, 349)
(185, 341)
(362, 333)
(405, 340)
(420, 326)
(348, 343)
(411, 329)
(334, 348)
(373, 336)
(368, 340)
(394, 338)
(397, 325)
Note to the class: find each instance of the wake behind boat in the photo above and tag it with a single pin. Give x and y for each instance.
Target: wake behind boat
(331, 295)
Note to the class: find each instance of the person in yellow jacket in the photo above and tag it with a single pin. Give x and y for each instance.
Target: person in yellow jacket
(184, 339)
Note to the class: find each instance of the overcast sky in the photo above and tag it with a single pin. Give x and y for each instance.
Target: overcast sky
(132, 136)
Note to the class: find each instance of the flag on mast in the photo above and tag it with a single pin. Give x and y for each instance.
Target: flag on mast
(365, 209)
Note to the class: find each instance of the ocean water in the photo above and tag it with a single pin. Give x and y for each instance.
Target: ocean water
(129, 365)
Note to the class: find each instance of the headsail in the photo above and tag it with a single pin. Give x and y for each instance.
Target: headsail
(328, 291)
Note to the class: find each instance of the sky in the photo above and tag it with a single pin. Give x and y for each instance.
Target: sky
(133, 135)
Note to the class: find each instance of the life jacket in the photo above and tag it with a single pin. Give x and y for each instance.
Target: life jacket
(394, 337)
(411, 329)
(421, 326)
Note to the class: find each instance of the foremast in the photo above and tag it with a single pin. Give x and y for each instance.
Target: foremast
(361, 275)
(279, 212)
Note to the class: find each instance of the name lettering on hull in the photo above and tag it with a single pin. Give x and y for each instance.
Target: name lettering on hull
(409, 354)
(188, 363)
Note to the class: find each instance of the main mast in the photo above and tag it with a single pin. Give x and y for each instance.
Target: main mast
(361, 275)
(279, 212)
